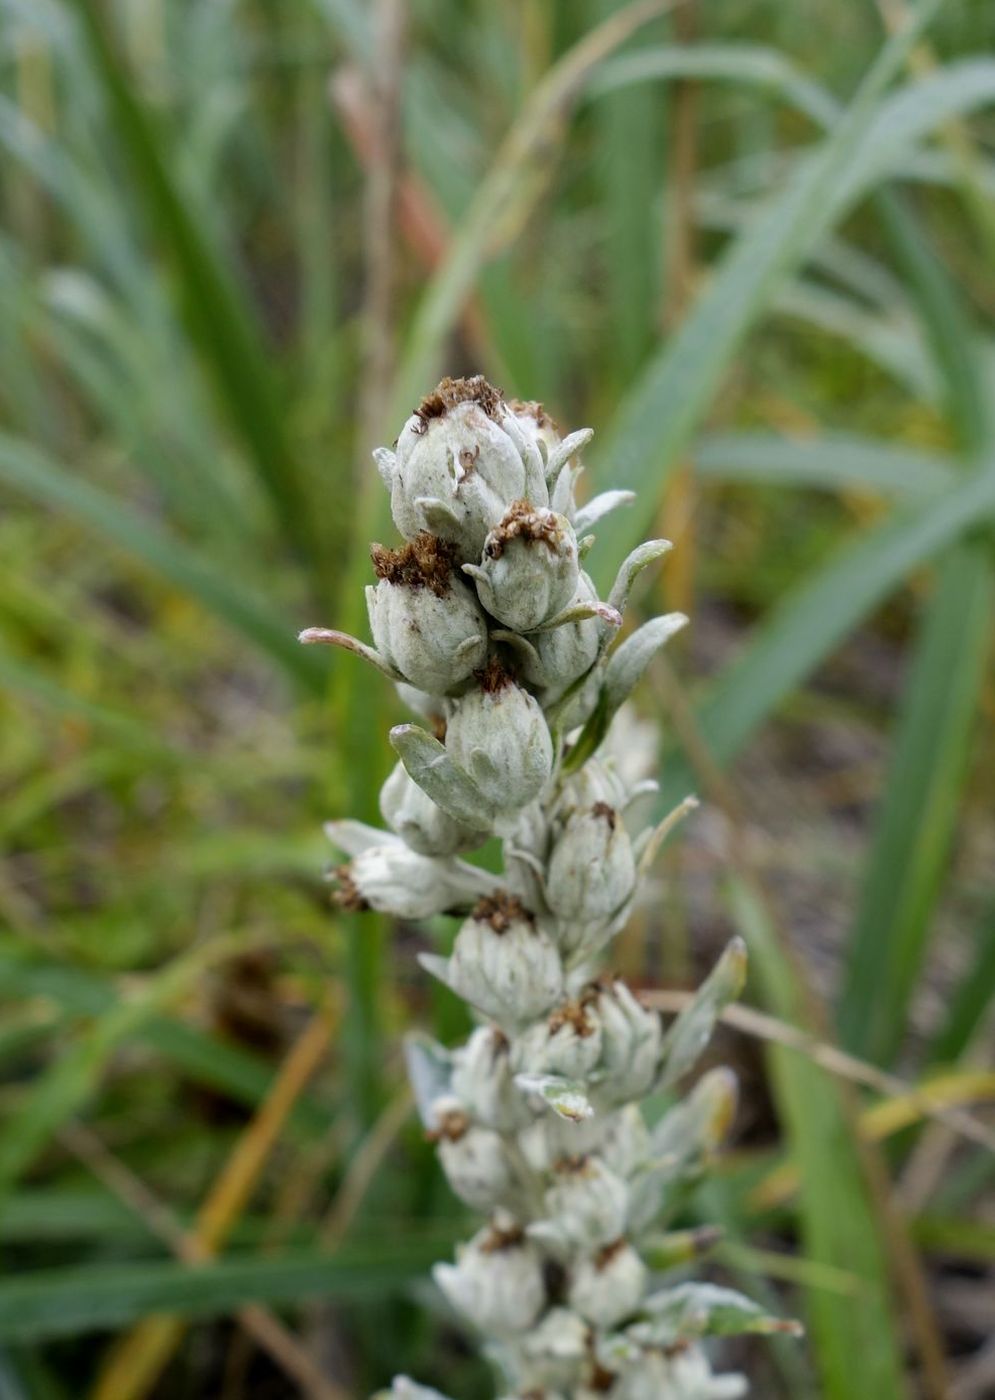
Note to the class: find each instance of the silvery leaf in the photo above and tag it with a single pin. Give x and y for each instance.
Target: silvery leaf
(559, 456)
(354, 837)
(703, 1309)
(435, 772)
(629, 660)
(632, 567)
(566, 1097)
(326, 636)
(691, 1031)
(601, 506)
(429, 1070)
(578, 611)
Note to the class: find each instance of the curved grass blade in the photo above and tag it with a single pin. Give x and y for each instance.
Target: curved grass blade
(217, 313)
(973, 999)
(822, 610)
(831, 462)
(68, 1302)
(45, 481)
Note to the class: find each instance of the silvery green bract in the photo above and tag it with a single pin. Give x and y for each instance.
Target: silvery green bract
(499, 644)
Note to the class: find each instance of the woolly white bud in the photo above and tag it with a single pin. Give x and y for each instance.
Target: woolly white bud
(457, 470)
(483, 1081)
(474, 1159)
(568, 1043)
(504, 964)
(497, 733)
(564, 654)
(496, 1282)
(394, 880)
(425, 621)
(404, 1388)
(592, 871)
(608, 1286)
(422, 825)
(631, 1036)
(529, 568)
(684, 1373)
(587, 1202)
(554, 1354)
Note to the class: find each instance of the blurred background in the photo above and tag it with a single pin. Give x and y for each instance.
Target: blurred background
(752, 245)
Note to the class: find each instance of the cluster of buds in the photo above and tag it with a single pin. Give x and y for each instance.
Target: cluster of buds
(495, 636)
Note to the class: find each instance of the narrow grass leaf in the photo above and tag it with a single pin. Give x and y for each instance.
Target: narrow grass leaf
(823, 609)
(67, 1302)
(838, 1224)
(831, 462)
(973, 999)
(46, 481)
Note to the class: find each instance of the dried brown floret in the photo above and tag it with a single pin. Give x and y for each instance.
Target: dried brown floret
(493, 677)
(608, 1252)
(453, 1125)
(347, 893)
(498, 1239)
(424, 562)
(522, 521)
(530, 408)
(500, 910)
(572, 1014)
(450, 392)
(604, 809)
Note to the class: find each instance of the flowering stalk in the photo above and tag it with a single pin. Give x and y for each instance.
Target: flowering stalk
(496, 638)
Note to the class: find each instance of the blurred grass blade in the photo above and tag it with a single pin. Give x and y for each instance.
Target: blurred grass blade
(502, 190)
(822, 610)
(217, 313)
(911, 850)
(204, 1058)
(659, 414)
(31, 471)
(908, 860)
(70, 1081)
(838, 1224)
(832, 462)
(67, 1302)
(973, 999)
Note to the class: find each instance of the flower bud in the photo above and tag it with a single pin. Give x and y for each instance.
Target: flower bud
(393, 880)
(425, 622)
(608, 1286)
(587, 1202)
(568, 1043)
(403, 1388)
(528, 572)
(474, 1159)
(498, 734)
(496, 1282)
(684, 1372)
(565, 653)
(625, 1146)
(503, 964)
(483, 1081)
(592, 870)
(554, 1353)
(422, 825)
(456, 470)
(631, 1035)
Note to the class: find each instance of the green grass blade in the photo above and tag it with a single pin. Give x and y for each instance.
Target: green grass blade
(40, 477)
(832, 462)
(838, 1224)
(216, 312)
(973, 999)
(913, 838)
(911, 848)
(659, 414)
(823, 609)
(67, 1302)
